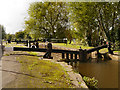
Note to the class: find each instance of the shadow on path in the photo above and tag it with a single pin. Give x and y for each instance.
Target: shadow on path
(28, 55)
(18, 73)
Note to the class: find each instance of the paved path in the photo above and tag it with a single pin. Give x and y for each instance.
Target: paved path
(0, 74)
(8, 68)
(0, 68)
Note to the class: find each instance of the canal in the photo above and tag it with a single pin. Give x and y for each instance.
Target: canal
(106, 72)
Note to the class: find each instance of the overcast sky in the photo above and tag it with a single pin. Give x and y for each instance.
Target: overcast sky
(13, 13)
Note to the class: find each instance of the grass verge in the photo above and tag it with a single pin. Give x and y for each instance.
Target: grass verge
(72, 46)
(41, 74)
(78, 46)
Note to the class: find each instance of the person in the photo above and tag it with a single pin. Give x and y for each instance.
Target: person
(33, 46)
(46, 43)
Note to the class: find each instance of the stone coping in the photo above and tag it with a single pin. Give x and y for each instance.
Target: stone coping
(114, 57)
(75, 78)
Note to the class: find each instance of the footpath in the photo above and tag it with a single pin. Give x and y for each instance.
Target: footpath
(11, 72)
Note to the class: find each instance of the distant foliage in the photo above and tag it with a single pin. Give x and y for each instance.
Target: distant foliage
(90, 22)
(3, 32)
(20, 35)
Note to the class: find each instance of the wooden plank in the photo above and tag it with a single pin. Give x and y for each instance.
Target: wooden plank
(44, 50)
(96, 48)
(65, 51)
(29, 49)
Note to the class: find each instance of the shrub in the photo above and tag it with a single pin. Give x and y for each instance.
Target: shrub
(91, 82)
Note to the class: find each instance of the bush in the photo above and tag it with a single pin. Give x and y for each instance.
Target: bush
(91, 82)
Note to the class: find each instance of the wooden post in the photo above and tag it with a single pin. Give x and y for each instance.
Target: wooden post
(37, 44)
(75, 56)
(49, 50)
(29, 44)
(109, 48)
(63, 55)
(17, 41)
(9, 41)
(71, 56)
(98, 54)
(82, 55)
(67, 55)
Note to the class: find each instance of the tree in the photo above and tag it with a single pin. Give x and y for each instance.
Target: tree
(3, 32)
(20, 35)
(95, 20)
(47, 19)
(9, 36)
(83, 19)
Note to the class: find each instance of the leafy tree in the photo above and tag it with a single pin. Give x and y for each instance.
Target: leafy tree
(9, 36)
(47, 20)
(20, 35)
(3, 32)
(82, 18)
(95, 20)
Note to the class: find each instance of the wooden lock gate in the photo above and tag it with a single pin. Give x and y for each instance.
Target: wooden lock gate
(68, 53)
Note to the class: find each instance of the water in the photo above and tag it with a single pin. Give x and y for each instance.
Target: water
(106, 72)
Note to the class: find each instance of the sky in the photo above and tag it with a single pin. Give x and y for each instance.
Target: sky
(13, 14)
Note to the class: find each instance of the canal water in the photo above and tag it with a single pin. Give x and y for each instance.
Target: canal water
(106, 72)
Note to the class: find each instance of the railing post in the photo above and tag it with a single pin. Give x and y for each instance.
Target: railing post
(71, 56)
(67, 55)
(75, 56)
(63, 55)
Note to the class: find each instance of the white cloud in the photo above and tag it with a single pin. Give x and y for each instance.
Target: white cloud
(12, 14)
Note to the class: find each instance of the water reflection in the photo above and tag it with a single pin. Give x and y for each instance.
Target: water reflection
(106, 72)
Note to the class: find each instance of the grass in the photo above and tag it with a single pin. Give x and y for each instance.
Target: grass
(13, 44)
(72, 46)
(33, 53)
(117, 51)
(7, 55)
(42, 74)
(78, 46)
